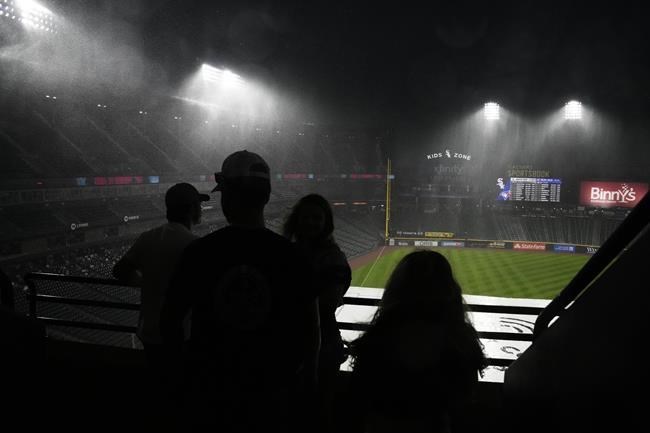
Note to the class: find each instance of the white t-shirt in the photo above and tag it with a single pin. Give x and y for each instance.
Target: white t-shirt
(155, 254)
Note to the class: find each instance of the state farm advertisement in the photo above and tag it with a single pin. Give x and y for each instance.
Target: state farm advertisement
(529, 246)
(612, 194)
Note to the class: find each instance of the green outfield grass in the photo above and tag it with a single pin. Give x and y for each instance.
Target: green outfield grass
(488, 272)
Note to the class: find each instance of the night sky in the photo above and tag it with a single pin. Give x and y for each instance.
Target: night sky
(376, 62)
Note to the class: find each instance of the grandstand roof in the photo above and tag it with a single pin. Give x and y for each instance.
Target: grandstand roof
(392, 59)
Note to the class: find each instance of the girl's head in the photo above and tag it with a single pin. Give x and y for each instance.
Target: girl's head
(422, 289)
(423, 281)
(311, 219)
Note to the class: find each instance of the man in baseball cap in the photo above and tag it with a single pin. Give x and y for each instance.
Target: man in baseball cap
(245, 286)
(183, 194)
(243, 169)
(245, 185)
(152, 258)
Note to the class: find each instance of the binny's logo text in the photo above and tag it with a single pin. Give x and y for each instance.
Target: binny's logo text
(624, 194)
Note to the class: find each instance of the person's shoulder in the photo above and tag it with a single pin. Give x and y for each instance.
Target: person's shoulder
(332, 255)
(275, 237)
(148, 234)
(337, 252)
(210, 239)
(157, 229)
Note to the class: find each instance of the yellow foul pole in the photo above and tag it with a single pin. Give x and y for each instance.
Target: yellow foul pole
(388, 179)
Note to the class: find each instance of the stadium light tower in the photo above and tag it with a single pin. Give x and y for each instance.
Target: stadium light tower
(30, 13)
(221, 76)
(491, 111)
(573, 110)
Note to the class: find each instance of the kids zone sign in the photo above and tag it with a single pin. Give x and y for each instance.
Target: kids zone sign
(449, 154)
(612, 194)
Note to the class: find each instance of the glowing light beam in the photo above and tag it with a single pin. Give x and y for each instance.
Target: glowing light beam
(573, 110)
(491, 111)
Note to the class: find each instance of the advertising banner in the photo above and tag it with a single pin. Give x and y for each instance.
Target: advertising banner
(452, 244)
(447, 235)
(564, 248)
(529, 246)
(497, 244)
(612, 194)
(425, 243)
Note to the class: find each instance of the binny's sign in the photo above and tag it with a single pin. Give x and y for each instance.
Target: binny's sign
(612, 194)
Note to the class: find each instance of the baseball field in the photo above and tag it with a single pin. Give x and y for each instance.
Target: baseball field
(512, 274)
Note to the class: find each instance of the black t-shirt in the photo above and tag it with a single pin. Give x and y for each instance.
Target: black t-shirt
(248, 291)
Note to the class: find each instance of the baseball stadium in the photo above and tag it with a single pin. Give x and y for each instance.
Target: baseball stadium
(510, 139)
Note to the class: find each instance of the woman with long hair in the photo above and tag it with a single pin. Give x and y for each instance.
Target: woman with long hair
(311, 225)
(417, 364)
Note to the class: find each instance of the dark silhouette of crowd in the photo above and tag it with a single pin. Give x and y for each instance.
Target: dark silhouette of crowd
(239, 326)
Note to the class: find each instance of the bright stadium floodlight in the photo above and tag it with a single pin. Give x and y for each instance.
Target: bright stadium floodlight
(216, 75)
(32, 15)
(573, 110)
(491, 111)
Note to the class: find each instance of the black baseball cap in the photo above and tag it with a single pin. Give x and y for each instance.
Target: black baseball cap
(243, 168)
(183, 194)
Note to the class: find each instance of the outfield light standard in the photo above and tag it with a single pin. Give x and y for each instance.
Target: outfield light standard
(491, 111)
(573, 110)
(51, 99)
(221, 76)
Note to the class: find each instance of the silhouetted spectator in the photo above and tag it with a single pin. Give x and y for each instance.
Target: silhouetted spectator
(149, 263)
(22, 361)
(416, 366)
(311, 226)
(6, 291)
(254, 335)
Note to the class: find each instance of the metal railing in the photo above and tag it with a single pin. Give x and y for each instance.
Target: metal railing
(34, 298)
(475, 308)
(37, 299)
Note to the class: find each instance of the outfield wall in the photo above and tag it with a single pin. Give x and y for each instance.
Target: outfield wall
(492, 244)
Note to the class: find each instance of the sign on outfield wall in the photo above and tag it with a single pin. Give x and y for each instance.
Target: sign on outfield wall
(564, 248)
(612, 194)
(425, 243)
(529, 246)
(452, 244)
(447, 235)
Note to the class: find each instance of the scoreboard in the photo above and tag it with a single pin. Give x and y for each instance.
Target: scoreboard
(535, 189)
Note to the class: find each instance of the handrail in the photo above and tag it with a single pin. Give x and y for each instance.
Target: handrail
(476, 308)
(33, 297)
(511, 336)
(625, 233)
(87, 325)
(73, 279)
(86, 302)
